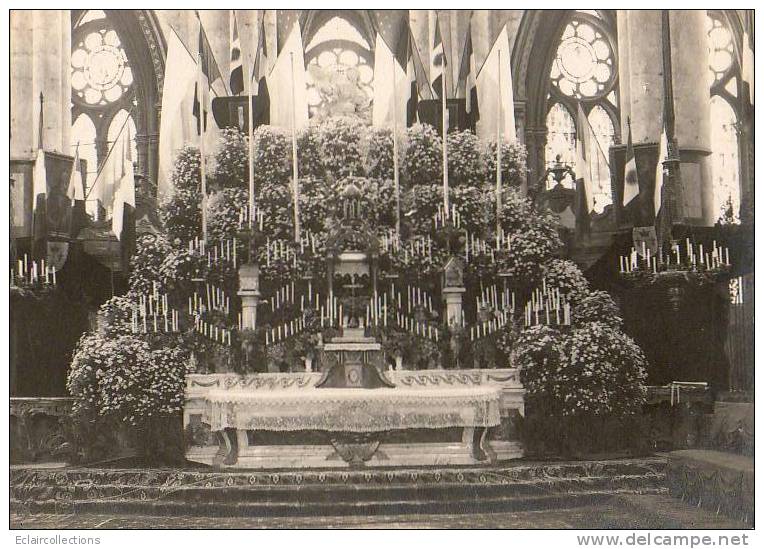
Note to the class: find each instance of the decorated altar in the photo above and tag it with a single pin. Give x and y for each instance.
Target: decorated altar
(391, 299)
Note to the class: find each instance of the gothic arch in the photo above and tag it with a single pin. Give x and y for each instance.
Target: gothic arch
(146, 49)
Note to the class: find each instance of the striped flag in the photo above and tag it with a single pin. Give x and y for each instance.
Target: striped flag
(76, 193)
(209, 75)
(630, 176)
(236, 79)
(437, 56)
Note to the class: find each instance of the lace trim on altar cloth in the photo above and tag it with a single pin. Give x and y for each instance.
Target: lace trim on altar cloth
(354, 410)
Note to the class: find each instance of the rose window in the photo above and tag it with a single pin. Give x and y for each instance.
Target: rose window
(583, 66)
(101, 73)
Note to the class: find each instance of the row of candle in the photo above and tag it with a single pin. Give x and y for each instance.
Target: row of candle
(154, 302)
(491, 297)
(33, 274)
(225, 250)
(167, 321)
(278, 251)
(416, 327)
(443, 215)
(217, 300)
(212, 331)
(717, 257)
(488, 327)
(736, 290)
(284, 330)
(248, 216)
(559, 314)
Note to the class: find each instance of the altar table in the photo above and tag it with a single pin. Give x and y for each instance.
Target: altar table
(354, 410)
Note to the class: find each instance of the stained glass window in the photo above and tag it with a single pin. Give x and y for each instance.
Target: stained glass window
(101, 73)
(340, 71)
(583, 72)
(583, 66)
(723, 70)
(103, 93)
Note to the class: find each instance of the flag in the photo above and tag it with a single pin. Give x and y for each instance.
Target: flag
(390, 94)
(39, 197)
(592, 167)
(410, 86)
(495, 77)
(236, 78)
(208, 75)
(747, 65)
(76, 193)
(662, 155)
(630, 176)
(288, 78)
(124, 194)
(177, 123)
(419, 30)
(437, 56)
(467, 73)
(259, 69)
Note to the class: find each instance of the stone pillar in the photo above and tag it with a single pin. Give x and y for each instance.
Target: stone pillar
(641, 91)
(453, 298)
(249, 284)
(40, 63)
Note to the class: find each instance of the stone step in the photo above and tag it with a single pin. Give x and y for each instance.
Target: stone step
(378, 506)
(312, 493)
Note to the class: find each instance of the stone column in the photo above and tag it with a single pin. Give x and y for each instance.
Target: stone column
(40, 63)
(249, 284)
(641, 95)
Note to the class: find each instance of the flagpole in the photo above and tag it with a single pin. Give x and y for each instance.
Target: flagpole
(202, 120)
(498, 150)
(250, 134)
(295, 184)
(396, 180)
(445, 133)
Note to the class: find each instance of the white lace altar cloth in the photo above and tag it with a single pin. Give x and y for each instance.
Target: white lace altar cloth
(353, 410)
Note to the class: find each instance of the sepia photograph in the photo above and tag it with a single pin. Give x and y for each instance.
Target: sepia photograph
(429, 269)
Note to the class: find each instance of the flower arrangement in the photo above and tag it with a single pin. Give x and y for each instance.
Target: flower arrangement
(596, 306)
(309, 161)
(272, 156)
(181, 214)
(423, 155)
(565, 275)
(466, 162)
(377, 148)
(146, 266)
(513, 163)
(341, 150)
(186, 172)
(231, 161)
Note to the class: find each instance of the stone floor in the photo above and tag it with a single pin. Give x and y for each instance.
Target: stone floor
(626, 512)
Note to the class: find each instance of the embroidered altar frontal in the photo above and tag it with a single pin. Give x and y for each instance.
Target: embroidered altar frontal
(351, 410)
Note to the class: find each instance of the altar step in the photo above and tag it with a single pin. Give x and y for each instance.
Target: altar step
(336, 493)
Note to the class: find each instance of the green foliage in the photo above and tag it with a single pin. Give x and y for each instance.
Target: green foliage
(378, 153)
(466, 162)
(272, 157)
(565, 275)
(513, 163)
(146, 264)
(231, 164)
(181, 214)
(596, 306)
(341, 149)
(423, 158)
(593, 369)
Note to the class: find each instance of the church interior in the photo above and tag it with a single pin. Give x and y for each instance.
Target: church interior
(282, 265)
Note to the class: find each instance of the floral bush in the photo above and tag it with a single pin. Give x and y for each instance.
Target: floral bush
(123, 378)
(423, 159)
(146, 264)
(341, 149)
(231, 160)
(186, 173)
(377, 148)
(181, 214)
(272, 156)
(513, 163)
(565, 275)
(466, 162)
(596, 306)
